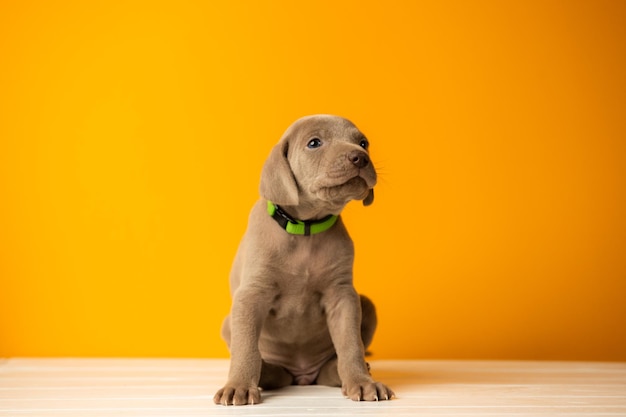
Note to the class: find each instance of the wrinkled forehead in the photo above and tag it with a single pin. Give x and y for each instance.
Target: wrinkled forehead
(323, 127)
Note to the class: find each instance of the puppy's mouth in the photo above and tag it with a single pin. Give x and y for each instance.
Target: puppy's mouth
(356, 187)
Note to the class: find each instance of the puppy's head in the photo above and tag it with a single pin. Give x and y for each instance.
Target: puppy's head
(321, 160)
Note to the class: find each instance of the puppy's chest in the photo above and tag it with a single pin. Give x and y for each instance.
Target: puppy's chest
(304, 278)
(296, 300)
(306, 266)
(303, 282)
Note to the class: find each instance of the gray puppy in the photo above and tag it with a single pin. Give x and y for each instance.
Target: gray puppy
(296, 317)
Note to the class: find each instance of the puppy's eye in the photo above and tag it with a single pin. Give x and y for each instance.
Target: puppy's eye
(314, 143)
(364, 144)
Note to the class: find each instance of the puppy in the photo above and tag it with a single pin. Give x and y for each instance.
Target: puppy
(296, 317)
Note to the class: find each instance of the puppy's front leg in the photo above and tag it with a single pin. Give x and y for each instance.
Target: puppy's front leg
(343, 309)
(247, 315)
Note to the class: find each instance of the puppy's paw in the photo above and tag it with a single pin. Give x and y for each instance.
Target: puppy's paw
(367, 390)
(237, 395)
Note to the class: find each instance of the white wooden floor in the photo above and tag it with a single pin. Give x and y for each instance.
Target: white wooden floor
(185, 387)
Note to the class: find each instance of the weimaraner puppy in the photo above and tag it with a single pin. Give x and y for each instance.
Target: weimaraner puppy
(296, 317)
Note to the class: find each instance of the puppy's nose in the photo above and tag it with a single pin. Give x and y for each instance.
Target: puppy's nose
(359, 159)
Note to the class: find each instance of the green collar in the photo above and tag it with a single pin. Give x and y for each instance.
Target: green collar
(299, 227)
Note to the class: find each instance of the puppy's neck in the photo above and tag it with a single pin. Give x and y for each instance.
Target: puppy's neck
(304, 212)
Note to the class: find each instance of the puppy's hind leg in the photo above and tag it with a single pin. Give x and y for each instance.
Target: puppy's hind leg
(329, 375)
(369, 321)
(274, 376)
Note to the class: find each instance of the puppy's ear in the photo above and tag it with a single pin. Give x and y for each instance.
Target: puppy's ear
(369, 199)
(277, 181)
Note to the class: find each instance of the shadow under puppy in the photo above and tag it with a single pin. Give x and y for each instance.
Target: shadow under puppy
(296, 317)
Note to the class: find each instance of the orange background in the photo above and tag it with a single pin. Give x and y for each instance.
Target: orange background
(132, 136)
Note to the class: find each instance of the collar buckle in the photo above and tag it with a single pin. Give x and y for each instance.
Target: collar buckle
(299, 227)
